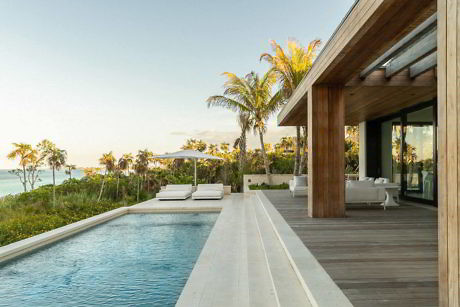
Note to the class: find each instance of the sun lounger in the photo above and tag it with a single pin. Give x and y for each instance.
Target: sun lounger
(175, 192)
(209, 191)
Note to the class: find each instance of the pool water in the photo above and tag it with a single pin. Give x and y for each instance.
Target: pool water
(136, 260)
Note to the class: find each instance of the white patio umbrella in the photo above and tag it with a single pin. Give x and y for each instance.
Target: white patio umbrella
(188, 154)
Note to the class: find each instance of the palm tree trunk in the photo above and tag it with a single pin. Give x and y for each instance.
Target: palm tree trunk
(25, 180)
(102, 187)
(265, 157)
(303, 159)
(118, 183)
(138, 182)
(297, 152)
(54, 188)
(242, 162)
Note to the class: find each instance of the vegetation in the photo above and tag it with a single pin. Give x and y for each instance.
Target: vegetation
(264, 186)
(251, 97)
(133, 178)
(290, 68)
(31, 213)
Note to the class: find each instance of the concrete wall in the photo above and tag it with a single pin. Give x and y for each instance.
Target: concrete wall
(261, 178)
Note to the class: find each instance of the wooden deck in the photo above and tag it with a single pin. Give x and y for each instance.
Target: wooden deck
(377, 257)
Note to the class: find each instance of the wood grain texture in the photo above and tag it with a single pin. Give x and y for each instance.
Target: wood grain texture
(377, 257)
(442, 151)
(448, 151)
(326, 155)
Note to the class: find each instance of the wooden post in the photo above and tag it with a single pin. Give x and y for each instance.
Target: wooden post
(448, 143)
(326, 162)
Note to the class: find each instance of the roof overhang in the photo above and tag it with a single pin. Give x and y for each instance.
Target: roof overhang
(369, 29)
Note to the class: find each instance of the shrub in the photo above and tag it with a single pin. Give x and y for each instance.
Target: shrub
(264, 186)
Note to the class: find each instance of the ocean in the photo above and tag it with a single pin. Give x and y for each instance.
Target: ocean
(10, 184)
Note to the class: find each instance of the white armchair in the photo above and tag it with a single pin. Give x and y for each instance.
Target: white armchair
(299, 186)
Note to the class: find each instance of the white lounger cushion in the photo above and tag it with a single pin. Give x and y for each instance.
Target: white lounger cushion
(175, 191)
(179, 187)
(209, 191)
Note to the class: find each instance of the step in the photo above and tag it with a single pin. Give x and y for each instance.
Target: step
(288, 288)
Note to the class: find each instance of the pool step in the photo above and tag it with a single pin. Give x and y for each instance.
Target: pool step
(289, 290)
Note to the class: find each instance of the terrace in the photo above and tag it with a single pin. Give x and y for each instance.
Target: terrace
(376, 257)
(392, 68)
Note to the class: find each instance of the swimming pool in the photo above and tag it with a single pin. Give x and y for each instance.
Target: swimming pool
(135, 259)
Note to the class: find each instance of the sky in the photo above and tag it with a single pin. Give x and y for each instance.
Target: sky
(100, 75)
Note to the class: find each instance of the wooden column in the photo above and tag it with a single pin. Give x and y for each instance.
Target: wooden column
(326, 164)
(448, 150)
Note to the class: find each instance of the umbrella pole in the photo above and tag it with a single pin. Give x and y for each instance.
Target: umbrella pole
(194, 160)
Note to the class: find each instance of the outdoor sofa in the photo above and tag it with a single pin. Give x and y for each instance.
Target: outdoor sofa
(363, 191)
(175, 192)
(209, 191)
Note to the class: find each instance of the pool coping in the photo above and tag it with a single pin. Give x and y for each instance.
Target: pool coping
(27, 245)
(319, 286)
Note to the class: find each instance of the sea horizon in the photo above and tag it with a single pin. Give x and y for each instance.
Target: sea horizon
(10, 184)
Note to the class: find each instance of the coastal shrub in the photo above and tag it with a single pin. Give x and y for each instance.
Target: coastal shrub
(264, 186)
(31, 213)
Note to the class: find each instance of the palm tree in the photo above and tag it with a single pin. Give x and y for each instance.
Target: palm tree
(193, 144)
(213, 149)
(141, 166)
(25, 153)
(143, 159)
(108, 161)
(251, 95)
(290, 69)
(123, 165)
(33, 171)
(56, 159)
(245, 123)
(224, 146)
(126, 161)
(70, 168)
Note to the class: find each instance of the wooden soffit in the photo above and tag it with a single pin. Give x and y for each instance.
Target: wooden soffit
(369, 29)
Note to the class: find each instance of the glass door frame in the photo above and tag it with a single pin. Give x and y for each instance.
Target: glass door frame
(403, 178)
(402, 114)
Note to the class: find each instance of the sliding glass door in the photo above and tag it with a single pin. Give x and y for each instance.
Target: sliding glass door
(408, 152)
(418, 155)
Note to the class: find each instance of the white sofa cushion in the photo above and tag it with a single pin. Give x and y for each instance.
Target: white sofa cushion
(210, 187)
(179, 187)
(173, 194)
(381, 180)
(364, 195)
(208, 194)
(360, 184)
(300, 181)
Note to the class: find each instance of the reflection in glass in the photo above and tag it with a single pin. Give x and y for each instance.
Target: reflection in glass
(418, 154)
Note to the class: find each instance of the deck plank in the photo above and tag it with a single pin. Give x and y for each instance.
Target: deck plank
(377, 257)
